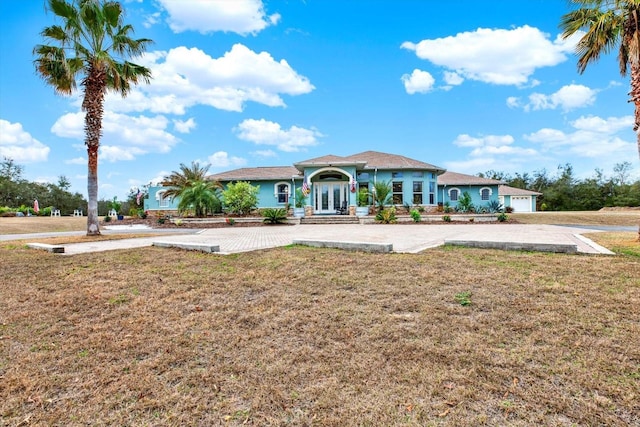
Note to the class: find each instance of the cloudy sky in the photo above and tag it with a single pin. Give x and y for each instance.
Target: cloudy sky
(240, 83)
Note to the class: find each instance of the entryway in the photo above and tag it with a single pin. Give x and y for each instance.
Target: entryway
(329, 196)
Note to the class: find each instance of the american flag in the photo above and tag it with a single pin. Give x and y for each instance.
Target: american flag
(305, 188)
(138, 196)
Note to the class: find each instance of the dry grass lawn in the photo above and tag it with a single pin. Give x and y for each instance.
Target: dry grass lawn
(302, 336)
(628, 217)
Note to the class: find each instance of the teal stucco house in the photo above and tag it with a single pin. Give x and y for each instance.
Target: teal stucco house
(333, 183)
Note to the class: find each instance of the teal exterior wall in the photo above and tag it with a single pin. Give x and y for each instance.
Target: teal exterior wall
(473, 190)
(156, 203)
(404, 183)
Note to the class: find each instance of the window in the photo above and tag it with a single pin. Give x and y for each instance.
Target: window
(163, 201)
(396, 174)
(485, 193)
(417, 174)
(453, 194)
(363, 176)
(397, 192)
(282, 192)
(417, 192)
(432, 193)
(364, 185)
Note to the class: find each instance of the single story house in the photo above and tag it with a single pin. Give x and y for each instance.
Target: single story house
(333, 181)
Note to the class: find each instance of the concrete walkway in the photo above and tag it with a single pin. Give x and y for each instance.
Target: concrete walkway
(407, 238)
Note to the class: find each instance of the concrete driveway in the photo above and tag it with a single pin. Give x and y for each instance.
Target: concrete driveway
(407, 238)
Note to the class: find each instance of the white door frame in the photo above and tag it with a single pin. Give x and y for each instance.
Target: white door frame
(331, 187)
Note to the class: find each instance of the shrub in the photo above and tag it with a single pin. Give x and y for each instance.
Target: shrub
(301, 199)
(508, 209)
(363, 197)
(161, 220)
(45, 211)
(446, 208)
(230, 221)
(107, 218)
(415, 215)
(446, 218)
(274, 216)
(387, 216)
(465, 204)
(502, 217)
(494, 206)
(240, 197)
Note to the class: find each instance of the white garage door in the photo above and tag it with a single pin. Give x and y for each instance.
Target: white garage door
(521, 203)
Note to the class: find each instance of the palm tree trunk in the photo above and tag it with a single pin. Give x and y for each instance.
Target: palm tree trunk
(635, 98)
(95, 86)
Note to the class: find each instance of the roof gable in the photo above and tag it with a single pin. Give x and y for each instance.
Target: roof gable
(505, 190)
(454, 178)
(378, 160)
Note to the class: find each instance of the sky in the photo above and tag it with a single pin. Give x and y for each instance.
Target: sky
(467, 85)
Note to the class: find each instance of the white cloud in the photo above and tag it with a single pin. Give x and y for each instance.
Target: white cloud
(184, 77)
(264, 132)
(452, 78)
(491, 151)
(418, 82)
(221, 159)
(184, 126)
(591, 137)
(264, 153)
(465, 140)
(567, 98)
(124, 137)
(76, 161)
(19, 145)
(497, 56)
(237, 16)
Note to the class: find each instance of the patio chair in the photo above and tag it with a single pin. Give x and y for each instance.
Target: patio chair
(342, 210)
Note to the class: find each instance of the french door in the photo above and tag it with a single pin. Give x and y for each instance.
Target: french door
(329, 196)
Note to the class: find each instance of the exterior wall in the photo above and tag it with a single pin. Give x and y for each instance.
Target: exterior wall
(154, 203)
(473, 190)
(507, 202)
(428, 182)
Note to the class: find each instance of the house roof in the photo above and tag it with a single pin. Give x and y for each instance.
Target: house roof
(258, 174)
(454, 178)
(505, 190)
(370, 160)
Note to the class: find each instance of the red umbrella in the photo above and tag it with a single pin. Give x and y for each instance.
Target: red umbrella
(36, 207)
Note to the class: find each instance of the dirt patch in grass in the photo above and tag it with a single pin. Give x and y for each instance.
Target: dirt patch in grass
(628, 217)
(305, 336)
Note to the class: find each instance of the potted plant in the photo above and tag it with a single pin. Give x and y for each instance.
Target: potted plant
(298, 210)
(363, 202)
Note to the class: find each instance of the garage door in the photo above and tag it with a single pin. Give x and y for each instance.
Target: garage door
(521, 203)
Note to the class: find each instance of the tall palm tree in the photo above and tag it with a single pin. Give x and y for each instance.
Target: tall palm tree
(609, 24)
(90, 44)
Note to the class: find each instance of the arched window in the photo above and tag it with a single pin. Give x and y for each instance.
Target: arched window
(485, 193)
(282, 192)
(163, 201)
(454, 193)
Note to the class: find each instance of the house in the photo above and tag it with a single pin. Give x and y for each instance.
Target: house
(517, 198)
(333, 183)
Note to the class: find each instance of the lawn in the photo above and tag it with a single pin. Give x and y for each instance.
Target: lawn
(302, 336)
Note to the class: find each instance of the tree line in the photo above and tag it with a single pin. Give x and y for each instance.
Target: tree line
(17, 193)
(563, 191)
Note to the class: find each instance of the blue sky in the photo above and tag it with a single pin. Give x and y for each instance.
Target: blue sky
(244, 83)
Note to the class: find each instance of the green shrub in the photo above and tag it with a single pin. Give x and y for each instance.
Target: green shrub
(387, 216)
(502, 217)
(240, 197)
(107, 218)
(415, 215)
(274, 216)
(446, 208)
(465, 204)
(446, 218)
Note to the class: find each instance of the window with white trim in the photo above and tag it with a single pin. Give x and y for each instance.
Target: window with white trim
(454, 193)
(485, 193)
(432, 193)
(282, 192)
(163, 201)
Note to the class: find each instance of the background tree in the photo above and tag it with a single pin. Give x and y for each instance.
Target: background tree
(91, 44)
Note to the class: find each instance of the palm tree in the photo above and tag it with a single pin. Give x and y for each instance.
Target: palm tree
(90, 44)
(609, 24)
(200, 197)
(177, 181)
(382, 193)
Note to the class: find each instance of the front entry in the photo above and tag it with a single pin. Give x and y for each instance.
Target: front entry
(330, 196)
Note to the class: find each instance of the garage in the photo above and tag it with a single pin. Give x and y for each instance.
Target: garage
(521, 203)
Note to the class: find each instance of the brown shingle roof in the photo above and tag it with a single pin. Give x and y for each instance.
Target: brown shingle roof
(505, 190)
(376, 159)
(258, 174)
(454, 178)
